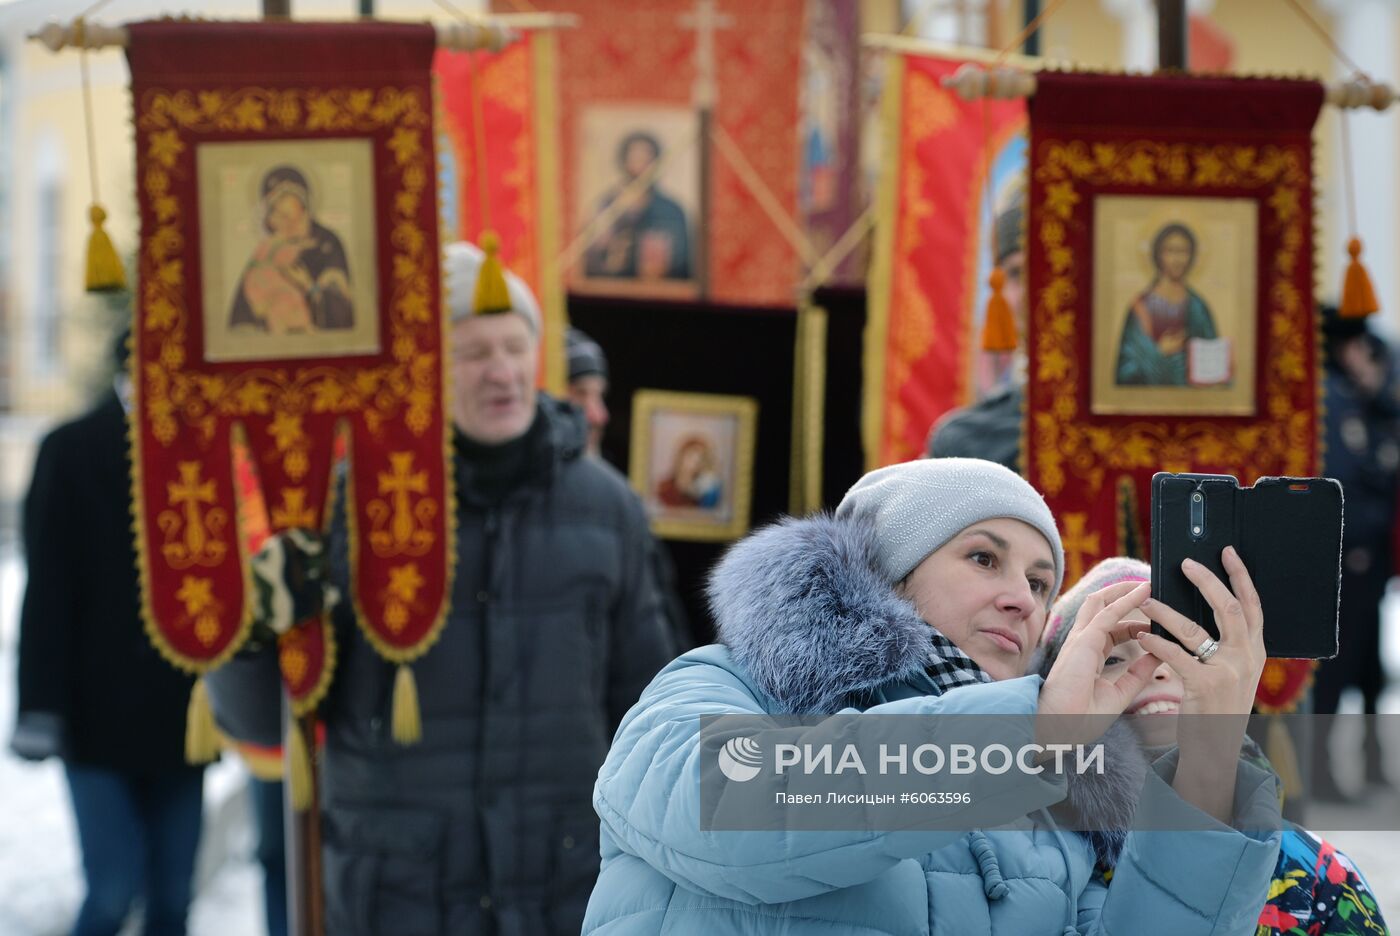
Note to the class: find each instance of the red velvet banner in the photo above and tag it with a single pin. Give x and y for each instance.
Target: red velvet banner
(288, 286)
(1180, 216)
(931, 246)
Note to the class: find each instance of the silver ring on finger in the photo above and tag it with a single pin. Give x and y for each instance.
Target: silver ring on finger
(1208, 648)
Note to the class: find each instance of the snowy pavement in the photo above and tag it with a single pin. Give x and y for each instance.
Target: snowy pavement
(40, 872)
(40, 866)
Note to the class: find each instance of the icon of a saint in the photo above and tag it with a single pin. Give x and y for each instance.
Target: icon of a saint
(694, 480)
(650, 237)
(297, 280)
(1165, 318)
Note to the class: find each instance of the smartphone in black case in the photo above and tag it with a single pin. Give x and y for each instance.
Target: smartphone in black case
(1288, 532)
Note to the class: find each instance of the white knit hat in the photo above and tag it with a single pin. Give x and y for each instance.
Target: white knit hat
(915, 507)
(461, 267)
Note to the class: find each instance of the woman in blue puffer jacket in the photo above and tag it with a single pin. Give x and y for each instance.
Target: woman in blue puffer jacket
(926, 594)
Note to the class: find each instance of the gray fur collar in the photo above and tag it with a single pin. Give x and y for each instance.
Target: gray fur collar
(800, 606)
(802, 609)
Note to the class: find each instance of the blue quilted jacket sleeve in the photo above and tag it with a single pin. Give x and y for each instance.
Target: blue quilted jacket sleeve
(648, 790)
(1213, 879)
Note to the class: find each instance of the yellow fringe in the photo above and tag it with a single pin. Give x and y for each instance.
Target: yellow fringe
(201, 737)
(104, 269)
(298, 768)
(999, 328)
(1358, 295)
(492, 295)
(1284, 757)
(408, 723)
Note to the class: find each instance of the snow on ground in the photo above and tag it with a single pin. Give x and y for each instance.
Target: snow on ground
(40, 872)
(40, 866)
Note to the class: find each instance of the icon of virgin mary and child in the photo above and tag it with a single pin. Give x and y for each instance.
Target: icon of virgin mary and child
(1165, 318)
(298, 279)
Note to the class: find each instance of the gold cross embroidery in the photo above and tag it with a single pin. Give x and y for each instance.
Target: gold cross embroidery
(409, 525)
(294, 512)
(191, 533)
(1078, 544)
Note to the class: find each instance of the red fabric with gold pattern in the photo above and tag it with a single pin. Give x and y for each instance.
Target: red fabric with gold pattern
(1198, 138)
(1283, 685)
(504, 83)
(336, 321)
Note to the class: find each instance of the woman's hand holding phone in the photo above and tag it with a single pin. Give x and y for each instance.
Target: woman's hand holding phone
(1219, 683)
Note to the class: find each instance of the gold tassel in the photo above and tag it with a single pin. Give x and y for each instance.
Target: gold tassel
(408, 723)
(999, 326)
(201, 736)
(1284, 757)
(492, 295)
(104, 270)
(1358, 295)
(298, 768)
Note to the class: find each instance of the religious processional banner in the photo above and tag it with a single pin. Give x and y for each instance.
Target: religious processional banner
(500, 127)
(289, 291)
(1170, 240)
(945, 162)
(633, 78)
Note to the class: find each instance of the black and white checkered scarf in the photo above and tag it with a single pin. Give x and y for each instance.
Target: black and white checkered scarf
(950, 667)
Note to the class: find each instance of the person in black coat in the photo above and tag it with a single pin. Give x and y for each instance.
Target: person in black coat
(93, 690)
(588, 392)
(486, 824)
(1362, 451)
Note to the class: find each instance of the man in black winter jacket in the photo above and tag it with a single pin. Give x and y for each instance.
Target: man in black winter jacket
(93, 690)
(1362, 419)
(485, 825)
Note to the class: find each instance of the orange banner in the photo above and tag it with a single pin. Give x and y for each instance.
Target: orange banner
(932, 251)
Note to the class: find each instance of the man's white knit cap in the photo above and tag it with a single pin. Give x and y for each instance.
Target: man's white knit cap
(915, 507)
(461, 267)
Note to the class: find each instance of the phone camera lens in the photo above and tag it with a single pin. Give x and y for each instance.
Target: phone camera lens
(1196, 498)
(1196, 530)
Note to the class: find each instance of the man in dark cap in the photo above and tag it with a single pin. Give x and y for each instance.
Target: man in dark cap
(588, 390)
(588, 384)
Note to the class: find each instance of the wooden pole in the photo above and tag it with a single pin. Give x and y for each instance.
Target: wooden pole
(701, 234)
(302, 838)
(1171, 34)
(705, 20)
